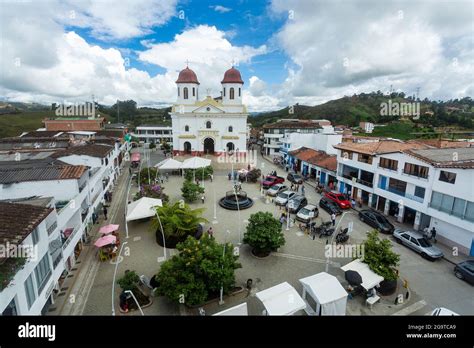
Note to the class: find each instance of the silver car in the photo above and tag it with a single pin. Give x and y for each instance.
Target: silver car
(276, 189)
(283, 197)
(418, 243)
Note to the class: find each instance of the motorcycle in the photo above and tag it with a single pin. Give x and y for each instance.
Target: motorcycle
(325, 229)
(342, 236)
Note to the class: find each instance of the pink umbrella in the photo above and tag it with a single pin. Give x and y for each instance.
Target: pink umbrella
(109, 229)
(105, 240)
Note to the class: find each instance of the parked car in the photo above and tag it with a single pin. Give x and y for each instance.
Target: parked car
(305, 212)
(376, 220)
(465, 270)
(329, 206)
(283, 197)
(295, 178)
(339, 198)
(418, 243)
(271, 180)
(296, 203)
(276, 189)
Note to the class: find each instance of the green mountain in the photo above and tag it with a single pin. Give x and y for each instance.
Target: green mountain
(350, 111)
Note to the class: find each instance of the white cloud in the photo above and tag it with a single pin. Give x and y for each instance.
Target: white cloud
(221, 9)
(209, 53)
(339, 49)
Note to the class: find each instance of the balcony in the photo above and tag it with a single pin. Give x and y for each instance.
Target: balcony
(365, 183)
(414, 198)
(51, 228)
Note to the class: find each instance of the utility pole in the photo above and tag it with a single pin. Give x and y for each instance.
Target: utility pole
(118, 111)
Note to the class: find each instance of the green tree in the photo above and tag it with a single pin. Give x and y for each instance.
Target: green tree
(129, 281)
(379, 256)
(264, 233)
(147, 175)
(200, 269)
(200, 173)
(191, 191)
(178, 219)
(152, 146)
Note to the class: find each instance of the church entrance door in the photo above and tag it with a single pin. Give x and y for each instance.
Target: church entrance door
(208, 146)
(187, 147)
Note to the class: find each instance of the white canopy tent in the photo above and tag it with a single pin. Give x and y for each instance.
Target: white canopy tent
(195, 163)
(143, 208)
(370, 279)
(327, 292)
(240, 309)
(169, 164)
(281, 299)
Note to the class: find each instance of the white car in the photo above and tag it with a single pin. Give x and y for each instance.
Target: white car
(276, 189)
(305, 213)
(283, 197)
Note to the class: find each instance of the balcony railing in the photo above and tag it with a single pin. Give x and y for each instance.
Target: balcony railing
(71, 237)
(414, 198)
(365, 183)
(51, 228)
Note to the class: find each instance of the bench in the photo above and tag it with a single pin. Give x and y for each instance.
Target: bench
(372, 300)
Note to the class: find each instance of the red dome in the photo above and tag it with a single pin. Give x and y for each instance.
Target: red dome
(232, 76)
(187, 76)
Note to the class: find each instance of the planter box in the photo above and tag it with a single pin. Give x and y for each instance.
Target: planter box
(236, 291)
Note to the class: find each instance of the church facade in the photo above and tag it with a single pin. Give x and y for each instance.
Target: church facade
(211, 125)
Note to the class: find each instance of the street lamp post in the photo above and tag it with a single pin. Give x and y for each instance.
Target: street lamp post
(131, 293)
(162, 233)
(113, 280)
(221, 300)
(333, 235)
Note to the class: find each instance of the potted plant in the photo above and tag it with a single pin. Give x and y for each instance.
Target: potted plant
(381, 259)
(198, 272)
(263, 234)
(151, 191)
(129, 282)
(191, 191)
(179, 221)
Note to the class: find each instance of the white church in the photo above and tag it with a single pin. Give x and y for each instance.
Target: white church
(212, 125)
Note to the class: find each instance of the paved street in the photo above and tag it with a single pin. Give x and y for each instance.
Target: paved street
(432, 284)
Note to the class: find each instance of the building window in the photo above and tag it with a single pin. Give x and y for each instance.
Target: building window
(224, 91)
(397, 186)
(447, 177)
(185, 92)
(231, 129)
(419, 191)
(194, 92)
(186, 128)
(452, 205)
(178, 91)
(416, 170)
(346, 155)
(30, 291)
(231, 93)
(208, 124)
(239, 92)
(365, 158)
(388, 163)
(42, 273)
(35, 236)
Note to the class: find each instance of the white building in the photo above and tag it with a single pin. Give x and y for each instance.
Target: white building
(321, 141)
(155, 134)
(367, 127)
(421, 185)
(274, 134)
(75, 181)
(209, 126)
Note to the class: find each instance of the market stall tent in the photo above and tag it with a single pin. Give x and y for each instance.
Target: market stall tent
(327, 292)
(195, 163)
(370, 279)
(240, 309)
(281, 299)
(169, 164)
(143, 208)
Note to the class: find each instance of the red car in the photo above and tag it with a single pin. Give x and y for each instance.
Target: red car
(339, 198)
(272, 180)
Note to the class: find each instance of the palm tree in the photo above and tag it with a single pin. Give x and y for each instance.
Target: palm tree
(178, 220)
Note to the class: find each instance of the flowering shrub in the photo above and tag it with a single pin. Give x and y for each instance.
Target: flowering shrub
(151, 191)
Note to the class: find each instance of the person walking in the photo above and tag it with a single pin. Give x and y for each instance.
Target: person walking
(202, 199)
(282, 219)
(210, 232)
(104, 210)
(333, 219)
(302, 190)
(433, 234)
(211, 176)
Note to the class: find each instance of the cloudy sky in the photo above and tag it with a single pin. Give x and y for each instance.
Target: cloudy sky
(288, 51)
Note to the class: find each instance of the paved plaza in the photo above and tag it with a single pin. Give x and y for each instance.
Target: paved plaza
(431, 284)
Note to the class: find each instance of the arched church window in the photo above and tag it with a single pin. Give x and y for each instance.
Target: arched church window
(186, 128)
(208, 124)
(231, 93)
(239, 92)
(231, 129)
(185, 92)
(224, 91)
(178, 91)
(194, 92)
